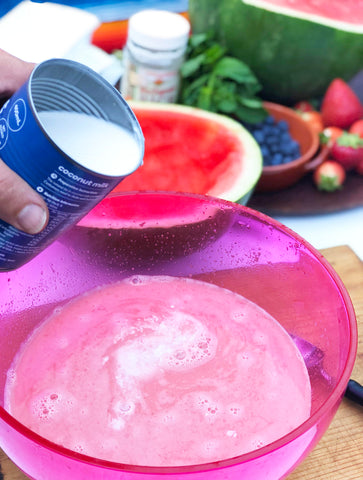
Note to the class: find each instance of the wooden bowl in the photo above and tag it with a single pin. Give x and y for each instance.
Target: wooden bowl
(278, 177)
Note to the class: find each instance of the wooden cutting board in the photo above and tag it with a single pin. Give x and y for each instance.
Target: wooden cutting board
(339, 454)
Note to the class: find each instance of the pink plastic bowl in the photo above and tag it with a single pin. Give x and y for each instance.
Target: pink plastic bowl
(184, 235)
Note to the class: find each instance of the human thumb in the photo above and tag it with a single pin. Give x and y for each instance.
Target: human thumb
(20, 205)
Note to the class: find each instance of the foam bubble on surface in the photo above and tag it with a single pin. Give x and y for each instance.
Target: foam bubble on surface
(80, 447)
(117, 423)
(236, 410)
(49, 404)
(168, 419)
(260, 338)
(125, 408)
(177, 342)
(239, 315)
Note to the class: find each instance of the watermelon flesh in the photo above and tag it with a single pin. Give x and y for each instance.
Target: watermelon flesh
(345, 11)
(193, 151)
(295, 48)
(173, 160)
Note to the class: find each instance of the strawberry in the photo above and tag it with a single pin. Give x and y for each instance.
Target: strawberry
(340, 107)
(304, 106)
(329, 135)
(357, 128)
(314, 119)
(359, 167)
(347, 150)
(329, 176)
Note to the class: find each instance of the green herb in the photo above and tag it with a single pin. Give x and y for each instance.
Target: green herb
(214, 81)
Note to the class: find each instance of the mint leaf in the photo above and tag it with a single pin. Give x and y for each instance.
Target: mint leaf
(225, 97)
(251, 102)
(197, 39)
(214, 81)
(233, 69)
(213, 54)
(205, 99)
(250, 115)
(190, 67)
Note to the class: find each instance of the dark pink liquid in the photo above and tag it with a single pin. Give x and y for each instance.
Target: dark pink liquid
(160, 371)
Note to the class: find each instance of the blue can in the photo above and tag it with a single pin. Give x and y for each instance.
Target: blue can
(73, 138)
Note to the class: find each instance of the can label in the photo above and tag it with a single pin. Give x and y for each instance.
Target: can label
(69, 189)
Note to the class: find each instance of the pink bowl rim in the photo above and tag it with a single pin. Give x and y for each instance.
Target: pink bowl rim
(334, 398)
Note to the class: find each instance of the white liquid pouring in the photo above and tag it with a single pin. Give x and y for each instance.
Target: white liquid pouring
(96, 144)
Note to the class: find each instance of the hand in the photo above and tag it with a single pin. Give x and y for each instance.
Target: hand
(20, 205)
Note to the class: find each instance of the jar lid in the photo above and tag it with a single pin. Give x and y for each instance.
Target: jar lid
(158, 30)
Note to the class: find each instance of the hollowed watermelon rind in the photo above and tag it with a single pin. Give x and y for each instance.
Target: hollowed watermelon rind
(235, 182)
(294, 57)
(150, 227)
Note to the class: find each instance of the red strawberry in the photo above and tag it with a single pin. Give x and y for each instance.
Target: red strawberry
(304, 106)
(340, 107)
(329, 176)
(329, 135)
(357, 128)
(314, 119)
(348, 150)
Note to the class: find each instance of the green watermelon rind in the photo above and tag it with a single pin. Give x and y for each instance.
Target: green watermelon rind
(240, 187)
(294, 58)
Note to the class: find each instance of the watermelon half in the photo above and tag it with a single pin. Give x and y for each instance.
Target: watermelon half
(194, 151)
(133, 228)
(295, 47)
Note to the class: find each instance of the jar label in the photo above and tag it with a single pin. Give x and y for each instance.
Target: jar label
(151, 85)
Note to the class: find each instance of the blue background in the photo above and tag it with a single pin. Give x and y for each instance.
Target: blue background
(109, 10)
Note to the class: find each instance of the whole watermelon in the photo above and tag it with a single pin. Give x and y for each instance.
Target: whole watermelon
(294, 48)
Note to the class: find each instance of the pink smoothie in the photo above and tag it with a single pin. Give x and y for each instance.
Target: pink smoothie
(159, 371)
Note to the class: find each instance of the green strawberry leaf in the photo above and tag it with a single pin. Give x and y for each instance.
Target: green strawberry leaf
(350, 140)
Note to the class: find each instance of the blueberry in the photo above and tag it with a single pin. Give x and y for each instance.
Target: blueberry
(291, 147)
(287, 159)
(267, 160)
(272, 140)
(259, 136)
(269, 120)
(275, 147)
(285, 137)
(285, 148)
(266, 130)
(277, 159)
(296, 154)
(295, 150)
(283, 125)
(265, 151)
(275, 131)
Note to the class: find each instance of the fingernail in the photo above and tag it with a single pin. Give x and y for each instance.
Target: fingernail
(32, 218)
